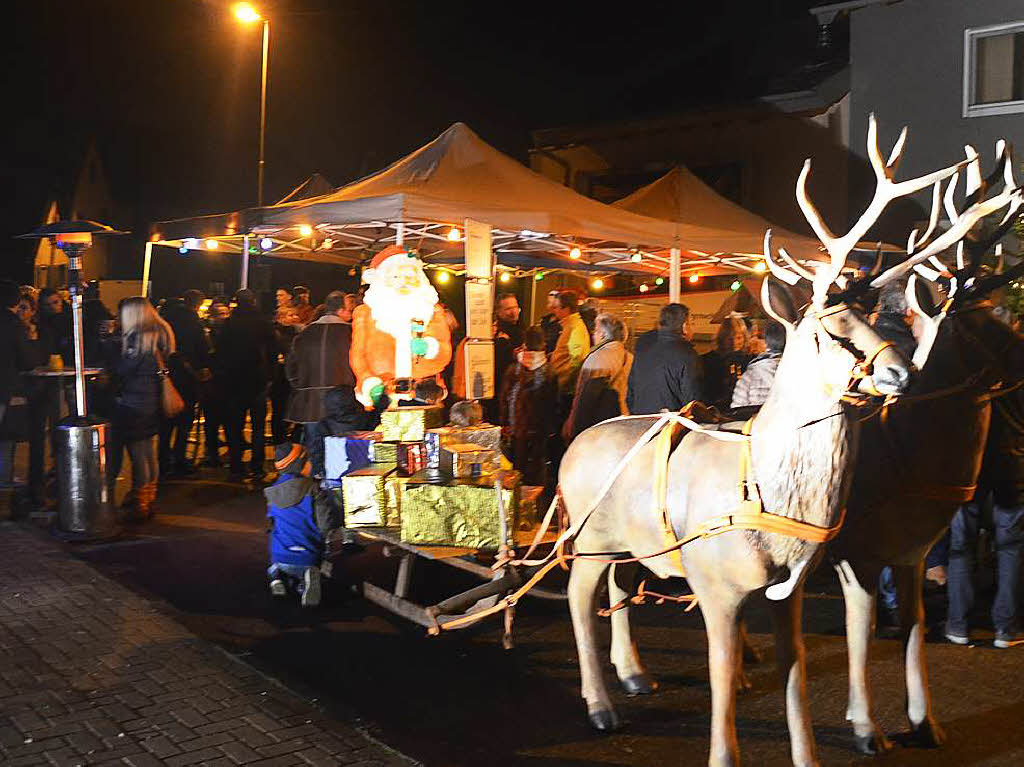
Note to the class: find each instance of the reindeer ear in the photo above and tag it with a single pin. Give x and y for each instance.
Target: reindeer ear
(920, 297)
(778, 303)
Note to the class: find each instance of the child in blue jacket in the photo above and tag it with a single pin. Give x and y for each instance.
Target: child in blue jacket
(301, 515)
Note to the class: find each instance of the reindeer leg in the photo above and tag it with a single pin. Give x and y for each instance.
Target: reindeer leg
(583, 582)
(624, 655)
(792, 664)
(721, 619)
(924, 730)
(860, 626)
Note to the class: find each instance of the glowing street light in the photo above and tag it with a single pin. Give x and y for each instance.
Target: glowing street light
(246, 14)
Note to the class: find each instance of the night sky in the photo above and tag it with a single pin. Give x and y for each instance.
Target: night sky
(168, 89)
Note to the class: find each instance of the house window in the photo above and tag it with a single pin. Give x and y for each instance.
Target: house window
(994, 70)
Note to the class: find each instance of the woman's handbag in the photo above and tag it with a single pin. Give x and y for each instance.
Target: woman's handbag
(171, 402)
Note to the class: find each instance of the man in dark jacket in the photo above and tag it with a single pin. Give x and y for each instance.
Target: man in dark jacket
(190, 367)
(549, 323)
(666, 371)
(318, 362)
(18, 353)
(245, 350)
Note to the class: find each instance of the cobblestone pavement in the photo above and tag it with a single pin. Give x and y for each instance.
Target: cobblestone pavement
(92, 674)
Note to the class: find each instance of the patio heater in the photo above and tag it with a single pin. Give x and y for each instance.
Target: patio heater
(84, 510)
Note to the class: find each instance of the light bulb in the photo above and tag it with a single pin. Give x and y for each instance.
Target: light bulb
(443, 276)
(597, 284)
(659, 281)
(538, 276)
(191, 243)
(760, 267)
(266, 243)
(454, 234)
(575, 253)
(735, 285)
(644, 288)
(505, 277)
(245, 13)
(694, 278)
(305, 230)
(212, 244)
(637, 257)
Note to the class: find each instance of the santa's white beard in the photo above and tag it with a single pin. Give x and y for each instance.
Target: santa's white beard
(394, 314)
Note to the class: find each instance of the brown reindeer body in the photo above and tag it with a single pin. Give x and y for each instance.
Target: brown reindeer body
(915, 468)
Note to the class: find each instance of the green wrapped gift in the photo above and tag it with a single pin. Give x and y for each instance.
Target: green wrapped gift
(462, 513)
(366, 502)
(409, 424)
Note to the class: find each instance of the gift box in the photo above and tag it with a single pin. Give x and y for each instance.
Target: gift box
(409, 424)
(484, 435)
(384, 452)
(412, 457)
(461, 513)
(345, 454)
(529, 514)
(463, 461)
(365, 496)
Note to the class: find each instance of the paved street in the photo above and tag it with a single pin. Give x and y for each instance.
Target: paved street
(121, 662)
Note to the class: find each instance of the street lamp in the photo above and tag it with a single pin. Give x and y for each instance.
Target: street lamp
(84, 505)
(246, 14)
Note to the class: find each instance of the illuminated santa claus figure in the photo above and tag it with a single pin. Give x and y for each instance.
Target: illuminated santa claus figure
(400, 339)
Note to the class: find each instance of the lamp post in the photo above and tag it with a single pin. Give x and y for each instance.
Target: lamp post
(246, 14)
(84, 510)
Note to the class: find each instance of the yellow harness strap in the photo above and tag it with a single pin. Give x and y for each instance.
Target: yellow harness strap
(662, 452)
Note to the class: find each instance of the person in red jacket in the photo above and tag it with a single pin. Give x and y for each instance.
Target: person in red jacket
(399, 333)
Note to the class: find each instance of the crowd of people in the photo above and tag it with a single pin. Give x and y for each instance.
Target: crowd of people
(577, 367)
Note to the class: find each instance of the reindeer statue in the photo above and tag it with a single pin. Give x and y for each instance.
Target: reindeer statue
(920, 460)
(796, 465)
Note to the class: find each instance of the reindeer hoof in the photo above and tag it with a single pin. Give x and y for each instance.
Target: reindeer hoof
(638, 684)
(603, 720)
(927, 734)
(872, 744)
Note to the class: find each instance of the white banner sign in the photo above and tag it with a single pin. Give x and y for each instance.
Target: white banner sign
(479, 256)
(479, 369)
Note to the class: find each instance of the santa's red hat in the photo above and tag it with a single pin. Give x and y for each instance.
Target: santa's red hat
(388, 252)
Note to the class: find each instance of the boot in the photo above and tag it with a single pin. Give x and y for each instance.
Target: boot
(132, 505)
(147, 496)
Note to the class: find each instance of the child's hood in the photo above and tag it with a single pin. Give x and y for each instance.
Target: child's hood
(289, 490)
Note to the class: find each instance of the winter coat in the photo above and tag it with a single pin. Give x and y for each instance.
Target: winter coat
(17, 354)
(137, 403)
(300, 517)
(570, 351)
(318, 361)
(551, 328)
(529, 414)
(1002, 467)
(666, 373)
(721, 371)
(246, 349)
(601, 388)
(192, 349)
(755, 383)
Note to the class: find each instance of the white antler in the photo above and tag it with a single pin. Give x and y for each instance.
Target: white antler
(781, 272)
(886, 190)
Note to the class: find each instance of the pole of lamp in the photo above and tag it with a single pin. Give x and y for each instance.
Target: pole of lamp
(145, 269)
(674, 275)
(74, 254)
(263, 113)
(243, 281)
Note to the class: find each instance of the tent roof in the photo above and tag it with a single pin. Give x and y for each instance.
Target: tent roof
(314, 186)
(682, 197)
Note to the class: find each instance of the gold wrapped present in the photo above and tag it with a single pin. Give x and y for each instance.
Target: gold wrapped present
(529, 512)
(484, 435)
(366, 503)
(384, 452)
(409, 424)
(463, 461)
(463, 513)
(394, 489)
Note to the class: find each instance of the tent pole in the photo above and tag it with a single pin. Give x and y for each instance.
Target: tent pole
(145, 269)
(673, 275)
(533, 299)
(244, 279)
(400, 235)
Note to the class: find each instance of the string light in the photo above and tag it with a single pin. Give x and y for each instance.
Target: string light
(191, 243)
(305, 230)
(597, 283)
(694, 278)
(538, 276)
(637, 257)
(659, 280)
(505, 277)
(454, 235)
(443, 277)
(644, 288)
(760, 267)
(735, 286)
(575, 253)
(266, 243)
(212, 244)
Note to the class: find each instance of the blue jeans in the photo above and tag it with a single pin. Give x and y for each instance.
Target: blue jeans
(295, 574)
(1007, 523)
(887, 588)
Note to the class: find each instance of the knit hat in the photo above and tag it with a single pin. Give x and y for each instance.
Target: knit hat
(289, 458)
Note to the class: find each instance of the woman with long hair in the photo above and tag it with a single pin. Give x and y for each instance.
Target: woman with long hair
(146, 343)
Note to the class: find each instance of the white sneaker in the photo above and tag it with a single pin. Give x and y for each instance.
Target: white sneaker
(1004, 641)
(959, 639)
(278, 588)
(311, 592)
